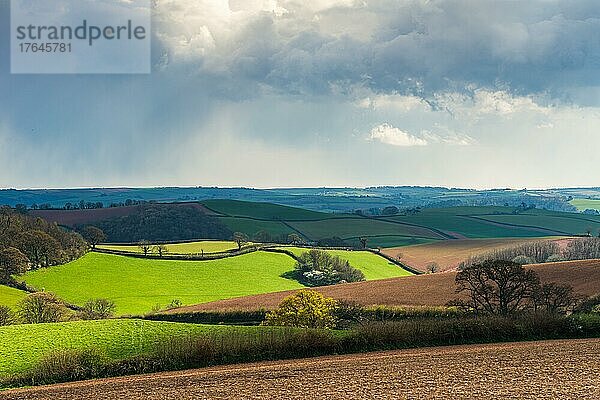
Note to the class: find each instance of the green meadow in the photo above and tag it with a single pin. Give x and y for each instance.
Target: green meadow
(21, 346)
(206, 246)
(10, 297)
(373, 266)
(137, 285)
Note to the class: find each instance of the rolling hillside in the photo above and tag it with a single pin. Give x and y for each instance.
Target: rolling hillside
(419, 226)
(138, 285)
(421, 290)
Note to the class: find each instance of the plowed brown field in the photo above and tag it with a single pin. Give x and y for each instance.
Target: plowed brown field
(419, 290)
(448, 254)
(562, 369)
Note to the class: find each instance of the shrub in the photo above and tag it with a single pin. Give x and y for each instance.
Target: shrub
(65, 366)
(41, 307)
(348, 314)
(523, 260)
(97, 309)
(305, 309)
(6, 316)
(319, 268)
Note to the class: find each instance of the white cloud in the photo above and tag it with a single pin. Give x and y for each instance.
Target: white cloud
(386, 133)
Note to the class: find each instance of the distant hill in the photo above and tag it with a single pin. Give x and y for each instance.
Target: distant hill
(371, 200)
(267, 222)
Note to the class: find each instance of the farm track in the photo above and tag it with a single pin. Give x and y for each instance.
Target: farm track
(560, 369)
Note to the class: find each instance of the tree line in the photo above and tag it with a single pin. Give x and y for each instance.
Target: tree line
(162, 222)
(28, 242)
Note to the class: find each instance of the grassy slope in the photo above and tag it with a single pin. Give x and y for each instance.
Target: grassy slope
(251, 227)
(261, 210)
(584, 204)
(10, 296)
(22, 345)
(572, 224)
(208, 246)
(349, 228)
(136, 285)
(372, 265)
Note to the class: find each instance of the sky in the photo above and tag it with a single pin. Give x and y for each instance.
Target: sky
(297, 93)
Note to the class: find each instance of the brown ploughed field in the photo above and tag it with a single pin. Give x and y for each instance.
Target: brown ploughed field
(420, 290)
(448, 254)
(560, 369)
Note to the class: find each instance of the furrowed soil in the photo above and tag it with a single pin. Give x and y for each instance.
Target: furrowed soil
(419, 290)
(448, 254)
(561, 369)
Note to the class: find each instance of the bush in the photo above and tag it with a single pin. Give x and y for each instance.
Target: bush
(7, 317)
(97, 309)
(63, 366)
(523, 260)
(305, 309)
(319, 268)
(41, 307)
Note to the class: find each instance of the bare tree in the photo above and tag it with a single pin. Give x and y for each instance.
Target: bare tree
(496, 287)
(145, 246)
(432, 268)
(294, 238)
(554, 298)
(363, 241)
(40, 308)
(240, 238)
(161, 249)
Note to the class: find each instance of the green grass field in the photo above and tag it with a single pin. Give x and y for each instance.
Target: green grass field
(574, 225)
(353, 227)
(261, 210)
(585, 204)
(137, 285)
(21, 346)
(391, 231)
(208, 246)
(10, 296)
(373, 266)
(250, 227)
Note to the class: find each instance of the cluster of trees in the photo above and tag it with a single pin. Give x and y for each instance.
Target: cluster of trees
(44, 307)
(29, 243)
(263, 236)
(163, 222)
(319, 268)
(505, 288)
(542, 252)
